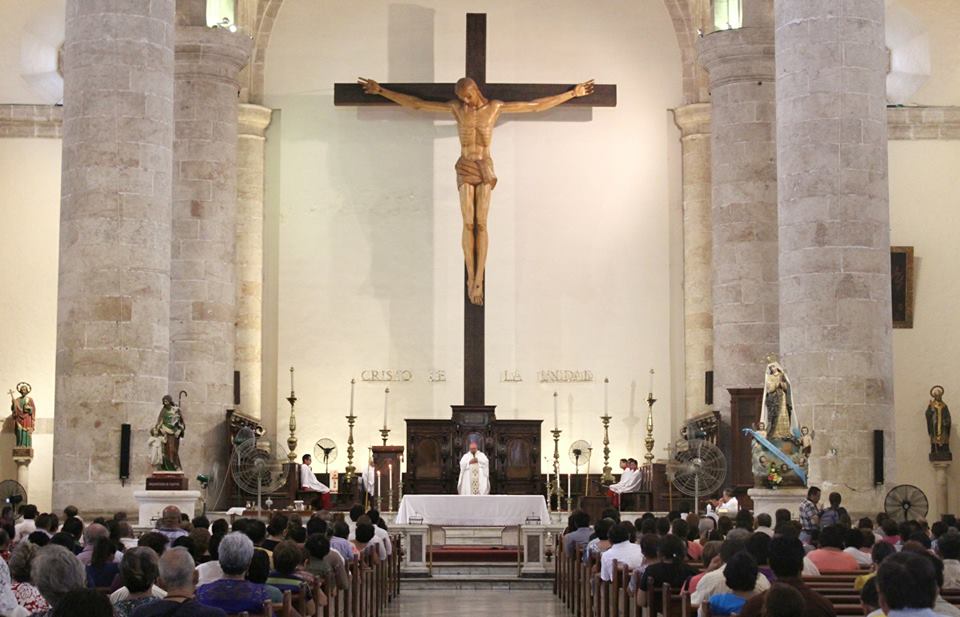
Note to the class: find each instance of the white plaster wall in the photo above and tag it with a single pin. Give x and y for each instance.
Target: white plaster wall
(30, 219)
(940, 20)
(925, 214)
(366, 267)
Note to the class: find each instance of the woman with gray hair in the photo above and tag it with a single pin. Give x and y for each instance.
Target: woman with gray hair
(26, 593)
(56, 571)
(138, 569)
(233, 593)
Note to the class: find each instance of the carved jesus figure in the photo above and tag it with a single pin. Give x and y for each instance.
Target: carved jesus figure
(476, 116)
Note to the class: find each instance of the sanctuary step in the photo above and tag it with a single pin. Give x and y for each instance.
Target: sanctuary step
(448, 576)
(452, 553)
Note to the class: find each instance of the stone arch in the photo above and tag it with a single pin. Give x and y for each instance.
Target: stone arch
(687, 20)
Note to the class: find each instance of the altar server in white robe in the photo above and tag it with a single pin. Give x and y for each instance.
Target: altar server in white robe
(630, 481)
(474, 472)
(309, 482)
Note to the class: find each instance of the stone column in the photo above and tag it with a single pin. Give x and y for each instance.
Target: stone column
(941, 470)
(835, 317)
(694, 124)
(253, 121)
(745, 301)
(114, 285)
(203, 311)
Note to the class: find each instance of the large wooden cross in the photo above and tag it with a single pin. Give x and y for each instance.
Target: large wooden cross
(351, 94)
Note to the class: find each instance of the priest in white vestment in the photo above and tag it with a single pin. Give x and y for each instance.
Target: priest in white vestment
(474, 472)
(309, 482)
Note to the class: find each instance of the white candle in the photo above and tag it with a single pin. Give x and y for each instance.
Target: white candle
(386, 399)
(651, 382)
(390, 483)
(569, 492)
(353, 384)
(556, 411)
(606, 396)
(291, 379)
(378, 483)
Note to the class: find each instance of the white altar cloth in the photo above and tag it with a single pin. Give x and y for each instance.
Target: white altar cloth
(473, 510)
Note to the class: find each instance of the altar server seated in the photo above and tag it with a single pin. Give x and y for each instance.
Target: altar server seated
(630, 481)
(310, 484)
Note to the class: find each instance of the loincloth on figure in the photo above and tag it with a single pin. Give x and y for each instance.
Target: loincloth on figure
(475, 173)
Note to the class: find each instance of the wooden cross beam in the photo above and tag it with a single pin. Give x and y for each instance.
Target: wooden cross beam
(352, 94)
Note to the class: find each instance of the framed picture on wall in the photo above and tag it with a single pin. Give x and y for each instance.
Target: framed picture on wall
(902, 285)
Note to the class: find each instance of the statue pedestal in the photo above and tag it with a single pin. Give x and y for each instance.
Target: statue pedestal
(768, 501)
(940, 469)
(167, 481)
(153, 502)
(22, 457)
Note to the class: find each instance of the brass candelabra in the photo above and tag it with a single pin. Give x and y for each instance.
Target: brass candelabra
(607, 477)
(648, 442)
(384, 433)
(557, 488)
(292, 439)
(350, 470)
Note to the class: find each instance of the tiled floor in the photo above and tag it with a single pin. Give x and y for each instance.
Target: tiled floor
(522, 603)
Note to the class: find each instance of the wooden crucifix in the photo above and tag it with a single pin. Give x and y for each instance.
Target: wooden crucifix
(476, 106)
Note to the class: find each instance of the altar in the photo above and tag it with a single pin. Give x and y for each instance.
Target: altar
(473, 510)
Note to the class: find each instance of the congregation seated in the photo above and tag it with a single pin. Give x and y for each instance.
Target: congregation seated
(907, 585)
(233, 593)
(25, 592)
(786, 561)
(600, 543)
(948, 548)
(259, 572)
(740, 576)
(286, 576)
(622, 550)
(103, 567)
(170, 524)
(830, 556)
(322, 560)
(85, 603)
(859, 545)
(210, 570)
(714, 582)
(139, 571)
(364, 543)
(670, 567)
(176, 577)
(56, 572)
(91, 535)
(580, 532)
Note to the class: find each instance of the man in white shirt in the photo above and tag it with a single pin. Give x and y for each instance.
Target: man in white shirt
(714, 582)
(622, 550)
(629, 482)
(28, 525)
(728, 504)
(474, 472)
(309, 482)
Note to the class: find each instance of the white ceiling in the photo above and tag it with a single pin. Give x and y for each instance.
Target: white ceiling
(30, 33)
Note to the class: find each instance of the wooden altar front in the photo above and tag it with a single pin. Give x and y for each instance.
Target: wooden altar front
(434, 448)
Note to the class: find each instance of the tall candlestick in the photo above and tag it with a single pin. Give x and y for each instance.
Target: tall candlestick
(386, 399)
(569, 493)
(606, 395)
(353, 384)
(556, 411)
